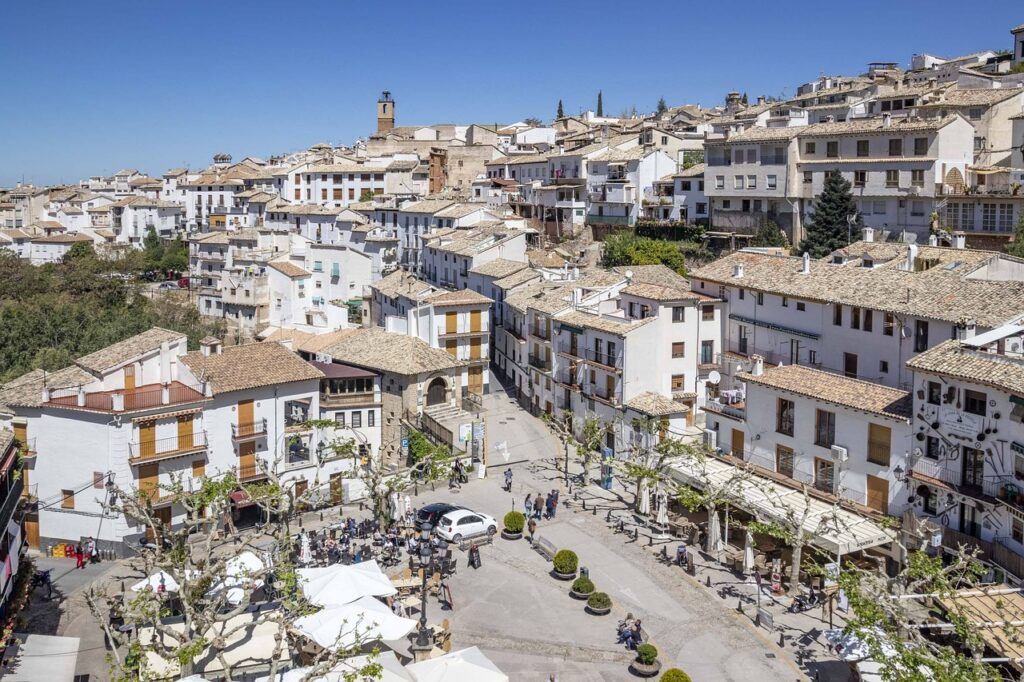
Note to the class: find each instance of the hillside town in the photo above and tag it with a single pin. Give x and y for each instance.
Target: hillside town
(796, 452)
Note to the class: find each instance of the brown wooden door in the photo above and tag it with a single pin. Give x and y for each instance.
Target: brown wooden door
(149, 480)
(301, 485)
(32, 530)
(198, 468)
(185, 433)
(609, 386)
(336, 492)
(663, 428)
(147, 439)
(737, 443)
(878, 494)
(475, 321)
(246, 416)
(129, 378)
(476, 380)
(162, 518)
(451, 322)
(21, 435)
(474, 349)
(247, 459)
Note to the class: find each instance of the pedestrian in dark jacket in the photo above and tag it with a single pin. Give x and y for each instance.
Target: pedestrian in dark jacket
(532, 527)
(538, 506)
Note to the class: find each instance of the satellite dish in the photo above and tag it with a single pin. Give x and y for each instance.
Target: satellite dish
(714, 377)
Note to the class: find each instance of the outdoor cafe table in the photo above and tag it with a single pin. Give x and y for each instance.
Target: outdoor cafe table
(406, 583)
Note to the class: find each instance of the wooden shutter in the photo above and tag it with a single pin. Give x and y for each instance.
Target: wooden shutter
(149, 479)
(198, 468)
(879, 444)
(129, 378)
(245, 415)
(475, 321)
(451, 322)
(474, 349)
(21, 435)
(147, 439)
(878, 494)
(185, 434)
(737, 443)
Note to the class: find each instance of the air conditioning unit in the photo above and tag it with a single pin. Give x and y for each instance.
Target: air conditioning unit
(711, 438)
(1013, 345)
(839, 453)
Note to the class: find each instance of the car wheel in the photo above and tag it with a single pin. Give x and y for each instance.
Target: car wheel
(491, 530)
(457, 539)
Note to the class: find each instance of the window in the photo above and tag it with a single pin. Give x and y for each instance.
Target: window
(678, 349)
(743, 294)
(785, 413)
(784, 460)
(808, 177)
(917, 208)
(737, 182)
(371, 417)
(868, 319)
(975, 402)
(860, 178)
(934, 393)
(837, 314)
(678, 382)
(785, 302)
(1017, 529)
(975, 113)
(684, 185)
(67, 499)
(357, 419)
(801, 306)
(751, 182)
(854, 317)
(824, 475)
(737, 156)
(896, 147)
(771, 182)
(751, 156)
(863, 148)
(1005, 217)
(719, 182)
(892, 178)
(808, 148)
(931, 450)
(339, 419)
(824, 428)
(920, 146)
(832, 149)
(879, 444)
(988, 217)
(917, 178)
(726, 204)
(707, 352)
(760, 298)
(921, 336)
(707, 313)
(888, 324)
(883, 366)
(878, 207)
(678, 313)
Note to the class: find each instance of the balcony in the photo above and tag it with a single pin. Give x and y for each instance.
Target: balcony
(603, 395)
(166, 448)
(516, 334)
(540, 362)
(252, 254)
(608, 219)
(605, 360)
(568, 378)
(570, 350)
(128, 400)
(542, 334)
(734, 410)
(13, 494)
(464, 334)
(27, 450)
(248, 430)
(328, 400)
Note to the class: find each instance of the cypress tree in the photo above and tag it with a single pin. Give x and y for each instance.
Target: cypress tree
(600, 104)
(829, 229)
(662, 107)
(561, 112)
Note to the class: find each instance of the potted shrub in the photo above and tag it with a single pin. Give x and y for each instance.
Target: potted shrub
(646, 663)
(565, 563)
(674, 675)
(599, 604)
(581, 587)
(514, 522)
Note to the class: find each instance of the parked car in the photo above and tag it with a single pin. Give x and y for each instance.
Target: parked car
(464, 523)
(166, 286)
(432, 513)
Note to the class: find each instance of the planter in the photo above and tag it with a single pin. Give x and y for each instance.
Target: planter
(598, 612)
(579, 595)
(563, 576)
(507, 535)
(645, 669)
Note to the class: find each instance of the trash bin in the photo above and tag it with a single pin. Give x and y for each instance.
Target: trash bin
(584, 572)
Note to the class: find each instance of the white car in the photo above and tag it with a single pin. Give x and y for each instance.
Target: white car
(464, 523)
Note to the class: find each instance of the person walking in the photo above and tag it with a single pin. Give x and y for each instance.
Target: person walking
(90, 550)
(527, 505)
(532, 527)
(538, 506)
(508, 479)
(79, 556)
(554, 504)
(548, 509)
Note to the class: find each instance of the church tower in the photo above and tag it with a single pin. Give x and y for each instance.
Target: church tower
(385, 112)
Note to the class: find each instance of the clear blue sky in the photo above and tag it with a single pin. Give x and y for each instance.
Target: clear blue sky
(91, 87)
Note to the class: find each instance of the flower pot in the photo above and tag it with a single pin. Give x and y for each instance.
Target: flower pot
(511, 536)
(563, 576)
(645, 669)
(598, 612)
(579, 595)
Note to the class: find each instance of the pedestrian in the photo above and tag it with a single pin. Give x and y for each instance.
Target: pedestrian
(549, 506)
(527, 505)
(508, 479)
(532, 527)
(554, 504)
(538, 505)
(92, 551)
(79, 556)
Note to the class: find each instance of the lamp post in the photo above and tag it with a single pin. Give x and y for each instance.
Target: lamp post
(424, 644)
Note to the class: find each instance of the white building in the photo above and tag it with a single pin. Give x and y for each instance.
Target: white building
(449, 255)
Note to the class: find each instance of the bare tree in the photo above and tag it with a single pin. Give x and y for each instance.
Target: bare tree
(582, 434)
(651, 457)
(710, 492)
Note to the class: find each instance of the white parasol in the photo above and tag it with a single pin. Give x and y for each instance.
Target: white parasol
(338, 584)
(466, 665)
(154, 583)
(662, 519)
(305, 550)
(748, 551)
(391, 670)
(644, 503)
(363, 620)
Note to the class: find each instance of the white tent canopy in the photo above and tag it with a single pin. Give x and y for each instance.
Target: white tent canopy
(829, 527)
(338, 584)
(239, 571)
(153, 582)
(466, 665)
(392, 670)
(364, 619)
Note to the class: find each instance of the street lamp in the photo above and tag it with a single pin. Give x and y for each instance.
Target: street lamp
(424, 636)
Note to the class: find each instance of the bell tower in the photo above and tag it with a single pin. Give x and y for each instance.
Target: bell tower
(385, 112)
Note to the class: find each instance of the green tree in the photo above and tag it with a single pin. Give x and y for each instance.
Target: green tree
(175, 256)
(1016, 247)
(662, 107)
(366, 195)
(769, 234)
(534, 122)
(628, 249)
(152, 250)
(744, 100)
(600, 103)
(79, 250)
(835, 215)
(561, 111)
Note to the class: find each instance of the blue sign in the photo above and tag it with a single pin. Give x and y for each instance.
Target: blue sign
(405, 442)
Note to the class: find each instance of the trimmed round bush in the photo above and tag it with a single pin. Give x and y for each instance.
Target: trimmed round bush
(647, 653)
(514, 522)
(583, 585)
(565, 561)
(675, 675)
(599, 600)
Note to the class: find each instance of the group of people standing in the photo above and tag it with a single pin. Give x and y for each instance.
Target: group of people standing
(86, 553)
(539, 505)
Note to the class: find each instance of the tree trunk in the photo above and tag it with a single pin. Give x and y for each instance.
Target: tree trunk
(708, 546)
(794, 570)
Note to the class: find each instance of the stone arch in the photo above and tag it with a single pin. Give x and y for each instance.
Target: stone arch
(437, 392)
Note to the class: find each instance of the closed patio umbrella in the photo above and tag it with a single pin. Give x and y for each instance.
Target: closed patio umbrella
(748, 551)
(662, 507)
(714, 542)
(644, 503)
(305, 551)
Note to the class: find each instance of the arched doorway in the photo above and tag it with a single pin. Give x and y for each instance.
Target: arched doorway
(437, 392)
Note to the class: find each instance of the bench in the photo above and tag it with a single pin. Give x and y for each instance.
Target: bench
(545, 547)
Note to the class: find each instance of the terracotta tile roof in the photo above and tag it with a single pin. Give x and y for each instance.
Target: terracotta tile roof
(660, 293)
(936, 293)
(460, 210)
(374, 348)
(658, 274)
(951, 358)
(516, 279)
(618, 326)
(27, 390)
(516, 160)
(461, 297)
(498, 268)
(237, 368)
(466, 242)
(426, 206)
(64, 238)
(758, 134)
(975, 97)
(694, 171)
(123, 351)
(289, 269)
(656, 405)
(874, 125)
(834, 388)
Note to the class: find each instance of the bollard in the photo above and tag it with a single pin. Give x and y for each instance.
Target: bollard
(593, 510)
(739, 606)
(757, 619)
(708, 581)
(122, 587)
(300, 521)
(782, 639)
(584, 505)
(650, 540)
(608, 517)
(321, 517)
(664, 552)
(636, 533)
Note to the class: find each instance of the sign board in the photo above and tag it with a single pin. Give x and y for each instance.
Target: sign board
(465, 432)
(478, 430)
(831, 573)
(764, 618)
(937, 539)
(961, 423)
(405, 447)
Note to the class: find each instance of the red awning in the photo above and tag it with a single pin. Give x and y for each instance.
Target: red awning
(241, 499)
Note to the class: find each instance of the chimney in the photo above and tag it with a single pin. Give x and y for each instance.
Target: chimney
(959, 240)
(805, 269)
(869, 234)
(757, 369)
(760, 99)
(629, 277)
(886, 120)
(965, 329)
(737, 270)
(210, 345)
(933, 240)
(911, 256)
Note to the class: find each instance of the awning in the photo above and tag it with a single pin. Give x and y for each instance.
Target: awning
(829, 527)
(776, 327)
(1017, 447)
(241, 499)
(571, 328)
